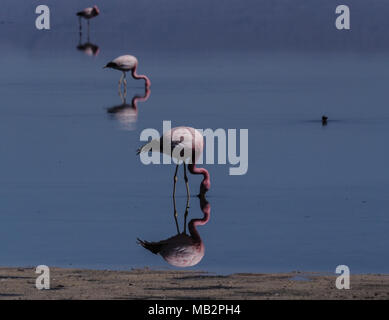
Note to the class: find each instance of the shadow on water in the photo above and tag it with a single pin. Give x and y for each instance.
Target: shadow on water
(182, 249)
(127, 113)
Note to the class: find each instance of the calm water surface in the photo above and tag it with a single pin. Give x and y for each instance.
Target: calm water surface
(74, 193)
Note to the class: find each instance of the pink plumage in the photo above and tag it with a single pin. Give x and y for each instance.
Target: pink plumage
(179, 251)
(89, 13)
(127, 63)
(183, 144)
(183, 250)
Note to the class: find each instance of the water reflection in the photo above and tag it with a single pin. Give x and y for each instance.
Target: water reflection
(127, 113)
(183, 250)
(89, 48)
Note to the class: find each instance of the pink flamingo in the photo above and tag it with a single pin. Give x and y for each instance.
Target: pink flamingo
(127, 114)
(88, 13)
(183, 144)
(183, 250)
(127, 63)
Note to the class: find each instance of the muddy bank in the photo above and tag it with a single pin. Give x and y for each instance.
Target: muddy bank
(19, 283)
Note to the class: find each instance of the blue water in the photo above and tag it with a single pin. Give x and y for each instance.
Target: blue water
(73, 193)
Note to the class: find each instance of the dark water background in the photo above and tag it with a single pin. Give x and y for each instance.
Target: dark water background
(73, 192)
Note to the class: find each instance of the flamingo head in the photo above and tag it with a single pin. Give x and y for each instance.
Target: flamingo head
(96, 9)
(110, 65)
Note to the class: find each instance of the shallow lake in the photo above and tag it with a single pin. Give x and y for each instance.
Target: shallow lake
(73, 193)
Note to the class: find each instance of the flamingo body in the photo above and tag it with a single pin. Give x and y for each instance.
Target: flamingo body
(123, 63)
(127, 63)
(183, 250)
(180, 250)
(187, 140)
(185, 143)
(89, 13)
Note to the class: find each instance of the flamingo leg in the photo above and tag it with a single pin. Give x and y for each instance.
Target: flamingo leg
(79, 22)
(186, 184)
(175, 215)
(175, 182)
(174, 198)
(120, 82)
(122, 97)
(125, 84)
(88, 28)
(187, 196)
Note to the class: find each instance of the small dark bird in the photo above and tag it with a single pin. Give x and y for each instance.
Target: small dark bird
(324, 120)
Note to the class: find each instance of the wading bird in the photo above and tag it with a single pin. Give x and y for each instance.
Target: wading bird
(127, 63)
(88, 13)
(183, 144)
(183, 250)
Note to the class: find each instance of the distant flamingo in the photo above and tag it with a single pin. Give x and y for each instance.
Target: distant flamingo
(127, 63)
(88, 13)
(183, 250)
(127, 114)
(182, 144)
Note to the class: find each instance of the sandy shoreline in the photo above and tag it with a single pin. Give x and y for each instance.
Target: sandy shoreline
(19, 283)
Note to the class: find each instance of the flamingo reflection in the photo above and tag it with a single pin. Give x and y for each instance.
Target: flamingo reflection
(183, 250)
(127, 113)
(88, 48)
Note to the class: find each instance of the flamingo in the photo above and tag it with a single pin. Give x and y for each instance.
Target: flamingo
(183, 250)
(189, 142)
(127, 63)
(88, 13)
(128, 113)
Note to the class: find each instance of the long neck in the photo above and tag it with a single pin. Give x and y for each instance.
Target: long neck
(194, 170)
(206, 209)
(137, 98)
(140, 76)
